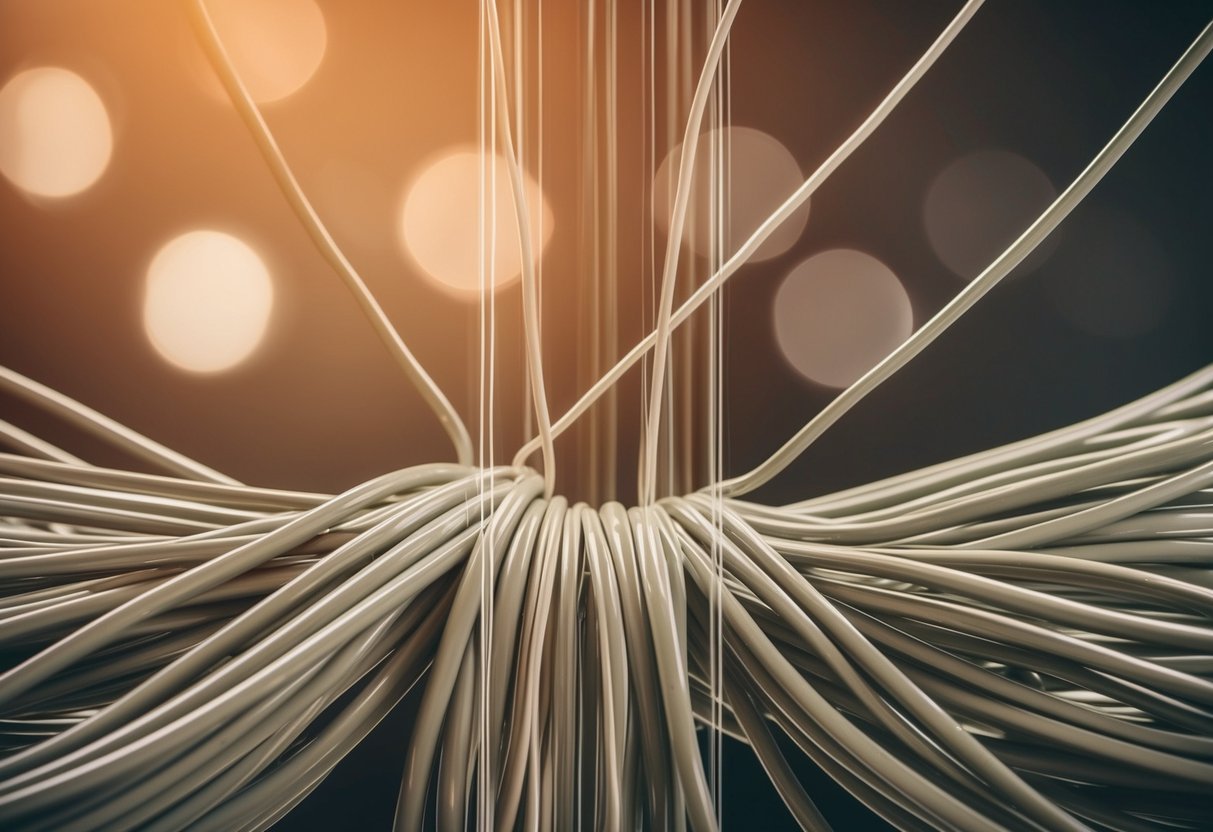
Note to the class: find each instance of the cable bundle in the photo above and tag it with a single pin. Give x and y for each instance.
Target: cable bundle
(1019, 639)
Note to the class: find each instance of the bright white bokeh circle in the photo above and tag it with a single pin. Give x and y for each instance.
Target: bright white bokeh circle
(55, 134)
(837, 314)
(207, 301)
(440, 222)
(761, 173)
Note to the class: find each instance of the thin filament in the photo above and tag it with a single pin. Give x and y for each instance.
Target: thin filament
(768, 227)
(1052, 217)
(437, 401)
(530, 292)
(648, 473)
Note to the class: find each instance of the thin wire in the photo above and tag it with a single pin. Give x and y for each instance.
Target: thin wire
(649, 286)
(203, 654)
(607, 487)
(91, 421)
(678, 63)
(647, 483)
(768, 227)
(592, 448)
(530, 298)
(437, 401)
(520, 115)
(1066, 202)
(723, 167)
(486, 226)
(487, 94)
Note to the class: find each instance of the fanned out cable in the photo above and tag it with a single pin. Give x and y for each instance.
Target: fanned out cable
(1021, 639)
(1049, 598)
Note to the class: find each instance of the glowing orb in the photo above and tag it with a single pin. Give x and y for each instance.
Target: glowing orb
(838, 314)
(760, 172)
(441, 223)
(207, 302)
(55, 134)
(275, 45)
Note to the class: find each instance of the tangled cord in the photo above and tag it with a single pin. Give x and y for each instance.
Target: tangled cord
(1016, 639)
(1019, 639)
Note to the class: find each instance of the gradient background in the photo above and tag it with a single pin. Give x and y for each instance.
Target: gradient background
(320, 406)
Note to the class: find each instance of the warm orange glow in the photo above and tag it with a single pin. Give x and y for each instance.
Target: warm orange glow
(55, 136)
(441, 223)
(760, 173)
(208, 301)
(838, 314)
(275, 45)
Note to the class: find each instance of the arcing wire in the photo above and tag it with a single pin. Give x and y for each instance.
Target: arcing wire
(690, 143)
(530, 290)
(247, 108)
(1020, 639)
(1052, 684)
(768, 227)
(996, 271)
(75, 413)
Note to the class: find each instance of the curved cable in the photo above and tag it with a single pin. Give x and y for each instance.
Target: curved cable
(768, 227)
(988, 279)
(208, 36)
(1017, 640)
(647, 474)
(530, 288)
(100, 425)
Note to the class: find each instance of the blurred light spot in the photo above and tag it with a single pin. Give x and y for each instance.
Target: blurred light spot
(55, 135)
(760, 173)
(1112, 278)
(980, 204)
(838, 314)
(207, 302)
(441, 222)
(275, 45)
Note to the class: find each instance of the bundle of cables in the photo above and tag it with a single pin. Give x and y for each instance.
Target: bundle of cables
(1018, 639)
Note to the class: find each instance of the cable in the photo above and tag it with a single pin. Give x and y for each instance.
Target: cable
(682, 192)
(989, 278)
(712, 285)
(831, 624)
(1019, 639)
(437, 401)
(89, 420)
(530, 290)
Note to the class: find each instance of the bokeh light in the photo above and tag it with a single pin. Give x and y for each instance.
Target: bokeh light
(838, 314)
(207, 302)
(980, 204)
(1111, 278)
(441, 222)
(275, 45)
(761, 173)
(55, 134)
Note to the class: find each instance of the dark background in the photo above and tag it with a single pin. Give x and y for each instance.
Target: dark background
(319, 406)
